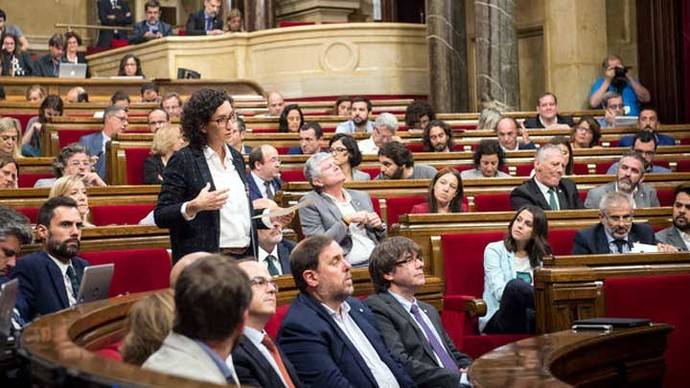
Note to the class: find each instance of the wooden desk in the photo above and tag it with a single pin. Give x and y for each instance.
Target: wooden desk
(625, 357)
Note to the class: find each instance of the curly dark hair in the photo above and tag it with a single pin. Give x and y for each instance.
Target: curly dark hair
(489, 147)
(593, 126)
(416, 110)
(355, 155)
(121, 70)
(197, 112)
(17, 46)
(282, 121)
(72, 34)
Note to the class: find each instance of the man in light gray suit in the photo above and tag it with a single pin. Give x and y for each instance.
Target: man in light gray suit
(678, 235)
(629, 177)
(114, 122)
(347, 216)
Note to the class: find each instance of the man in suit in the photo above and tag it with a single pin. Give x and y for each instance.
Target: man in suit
(310, 137)
(330, 337)
(274, 250)
(114, 122)
(345, 215)
(547, 114)
(616, 232)
(157, 118)
(238, 129)
(629, 179)
(49, 64)
(547, 189)
(49, 279)
(644, 143)
(648, 121)
(678, 234)
(206, 21)
(113, 13)
(263, 180)
(257, 359)
(411, 329)
(212, 297)
(152, 27)
(507, 132)
(15, 231)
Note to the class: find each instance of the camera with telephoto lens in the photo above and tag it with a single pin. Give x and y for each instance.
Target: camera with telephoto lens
(619, 78)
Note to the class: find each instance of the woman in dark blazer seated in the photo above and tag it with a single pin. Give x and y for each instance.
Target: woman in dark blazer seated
(15, 63)
(445, 194)
(166, 141)
(72, 53)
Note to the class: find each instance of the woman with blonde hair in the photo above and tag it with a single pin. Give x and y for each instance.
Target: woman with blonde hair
(35, 93)
(148, 322)
(9, 137)
(72, 186)
(166, 141)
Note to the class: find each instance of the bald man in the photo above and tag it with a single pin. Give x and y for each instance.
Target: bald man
(183, 263)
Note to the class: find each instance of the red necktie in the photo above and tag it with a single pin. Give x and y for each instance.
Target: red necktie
(268, 343)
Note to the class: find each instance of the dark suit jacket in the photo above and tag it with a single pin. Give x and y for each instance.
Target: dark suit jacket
(141, 28)
(24, 61)
(528, 193)
(94, 143)
(196, 24)
(41, 284)
(43, 67)
(661, 140)
(322, 353)
(593, 240)
(183, 178)
(285, 248)
(253, 369)
(534, 122)
(255, 192)
(153, 170)
(123, 17)
(408, 344)
(528, 146)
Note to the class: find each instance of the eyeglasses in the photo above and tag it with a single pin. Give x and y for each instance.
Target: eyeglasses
(222, 120)
(585, 129)
(77, 163)
(410, 259)
(263, 282)
(626, 218)
(338, 150)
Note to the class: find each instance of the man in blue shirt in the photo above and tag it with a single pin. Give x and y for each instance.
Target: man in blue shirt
(630, 88)
(648, 121)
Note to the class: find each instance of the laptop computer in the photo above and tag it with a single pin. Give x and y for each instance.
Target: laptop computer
(72, 70)
(96, 283)
(8, 298)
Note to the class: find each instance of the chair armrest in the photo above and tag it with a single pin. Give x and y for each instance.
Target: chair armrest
(474, 307)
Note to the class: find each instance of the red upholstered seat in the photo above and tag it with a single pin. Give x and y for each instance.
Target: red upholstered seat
(136, 270)
(401, 205)
(561, 241)
(116, 43)
(602, 167)
(23, 117)
(683, 165)
(524, 169)
(292, 175)
(415, 147)
(135, 158)
(377, 205)
(283, 150)
(67, 137)
(661, 299)
(30, 212)
(372, 171)
(580, 169)
(273, 324)
(28, 179)
(129, 214)
(110, 351)
(665, 195)
(492, 202)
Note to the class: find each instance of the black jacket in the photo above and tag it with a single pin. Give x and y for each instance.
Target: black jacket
(534, 122)
(528, 193)
(196, 24)
(593, 240)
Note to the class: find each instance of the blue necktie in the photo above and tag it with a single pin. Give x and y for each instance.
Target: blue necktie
(435, 344)
(209, 24)
(72, 275)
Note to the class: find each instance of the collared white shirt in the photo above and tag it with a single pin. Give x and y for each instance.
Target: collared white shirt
(261, 184)
(368, 147)
(276, 261)
(71, 298)
(382, 374)
(613, 248)
(685, 237)
(106, 139)
(517, 147)
(362, 245)
(545, 192)
(256, 337)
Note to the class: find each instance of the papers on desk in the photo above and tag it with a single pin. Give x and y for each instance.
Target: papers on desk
(643, 248)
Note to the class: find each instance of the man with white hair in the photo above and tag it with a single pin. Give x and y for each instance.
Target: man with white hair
(629, 180)
(547, 189)
(385, 126)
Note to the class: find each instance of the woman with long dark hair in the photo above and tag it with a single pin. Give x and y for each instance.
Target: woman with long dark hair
(347, 156)
(445, 194)
(509, 273)
(130, 66)
(15, 63)
(291, 119)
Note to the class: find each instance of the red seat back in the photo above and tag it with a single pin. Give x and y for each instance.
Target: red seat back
(135, 158)
(463, 260)
(28, 179)
(561, 241)
(23, 117)
(30, 212)
(136, 270)
(273, 324)
(684, 164)
(401, 205)
(603, 167)
(129, 214)
(492, 202)
(296, 175)
(67, 137)
(666, 195)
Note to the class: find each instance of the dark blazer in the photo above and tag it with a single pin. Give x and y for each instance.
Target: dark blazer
(285, 248)
(534, 122)
(26, 65)
(253, 369)
(141, 28)
(123, 17)
(408, 344)
(671, 236)
(94, 143)
(41, 284)
(592, 240)
(528, 146)
(183, 178)
(255, 192)
(322, 353)
(44, 67)
(661, 140)
(528, 193)
(196, 24)
(153, 170)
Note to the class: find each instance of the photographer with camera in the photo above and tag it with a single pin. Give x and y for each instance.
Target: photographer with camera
(617, 79)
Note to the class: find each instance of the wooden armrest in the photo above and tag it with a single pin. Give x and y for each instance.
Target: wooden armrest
(475, 307)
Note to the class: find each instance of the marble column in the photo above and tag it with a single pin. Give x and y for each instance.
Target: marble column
(447, 48)
(497, 54)
(259, 15)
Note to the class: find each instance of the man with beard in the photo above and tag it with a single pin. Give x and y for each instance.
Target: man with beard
(648, 121)
(629, 177)
(437, 137)
(49, 279)
(397, 163)
(678, 235)
(616, 233)
(15, 231)
(359, 117)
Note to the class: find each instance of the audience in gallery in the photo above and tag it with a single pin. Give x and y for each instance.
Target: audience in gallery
(509, 273)
(206, 21)
(563, 143)
(172, 104)
(585, 134)
(648, 121)
(148, 322)
(77, 94)
(347, 156)
(73, 159)
(113, 13)
(263, 180)
(310, 138)
(613, 108)
(157, 119)
(437, 137)
(234, 22)
(347, 216)
(51, 106)
(616, 78)
(212, 296)
(71, 51)
(644, 143)
(385, 127)
(360, 109)
(342, 106)
(151, 27)
(15, 62)
(274, 250)
(507, 132)
(259, 362)
(291, 119)
(9, 137)
(166, 141)
(445, 194)
(6, 28)
(489, 160)
(547, 189)
(130, 66)
(412, 329)
(629, 180)
(49, 64)
(397, 162)
(9, 175)
(678, 234)
(49, 278)
(329, 336)
(15, 231)
(73, 187)
(547, 114)
(275, 104)
(114, 122)
(238, 129)
(616, 232)
(149, 92)
(418, 115)
(35, 94)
